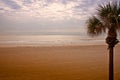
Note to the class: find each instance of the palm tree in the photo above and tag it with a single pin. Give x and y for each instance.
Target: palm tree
(106, 20)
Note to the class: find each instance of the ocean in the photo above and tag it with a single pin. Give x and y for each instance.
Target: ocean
(48, 40)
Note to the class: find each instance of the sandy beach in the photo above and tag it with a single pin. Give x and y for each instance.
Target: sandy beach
(57, 63)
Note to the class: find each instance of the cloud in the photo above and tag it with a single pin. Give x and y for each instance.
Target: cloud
(27, 1)
(49, 9)
(46, 15)
(11, 4)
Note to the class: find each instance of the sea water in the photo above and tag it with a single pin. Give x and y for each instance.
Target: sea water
(48, 40)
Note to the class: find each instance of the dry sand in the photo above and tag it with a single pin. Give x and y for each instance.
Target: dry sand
(57, 63)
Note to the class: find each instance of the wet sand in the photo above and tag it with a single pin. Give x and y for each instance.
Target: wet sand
(57, 63)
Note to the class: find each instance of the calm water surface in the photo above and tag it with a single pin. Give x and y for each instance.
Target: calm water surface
(43, 40)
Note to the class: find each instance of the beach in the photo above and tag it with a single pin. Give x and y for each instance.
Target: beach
(74, 62)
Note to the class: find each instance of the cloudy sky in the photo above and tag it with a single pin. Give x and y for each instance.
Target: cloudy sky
(45, 16)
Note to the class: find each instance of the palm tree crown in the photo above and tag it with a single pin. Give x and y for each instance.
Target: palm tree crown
(108, 18)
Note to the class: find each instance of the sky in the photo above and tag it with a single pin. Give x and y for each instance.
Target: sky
(46, 16)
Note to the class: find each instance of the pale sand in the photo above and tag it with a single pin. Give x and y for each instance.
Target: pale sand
(57, 63)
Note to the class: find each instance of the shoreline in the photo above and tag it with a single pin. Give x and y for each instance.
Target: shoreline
(62, 45)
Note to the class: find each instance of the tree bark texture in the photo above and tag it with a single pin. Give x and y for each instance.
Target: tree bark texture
(111, 64)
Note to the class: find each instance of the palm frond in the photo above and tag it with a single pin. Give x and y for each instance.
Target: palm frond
(118, 18)
(94, 26)
(104, 10)
(108, 10)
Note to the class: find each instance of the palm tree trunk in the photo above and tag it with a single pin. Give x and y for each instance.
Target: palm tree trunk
(111, 64)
